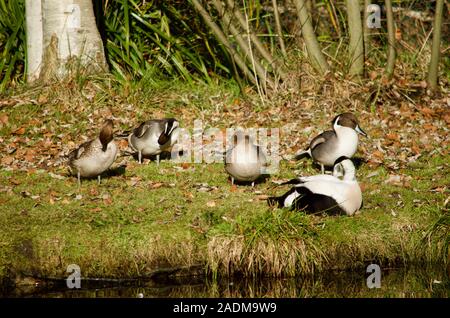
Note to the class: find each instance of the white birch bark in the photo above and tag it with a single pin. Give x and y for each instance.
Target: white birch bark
(69, 38)
(34, 38)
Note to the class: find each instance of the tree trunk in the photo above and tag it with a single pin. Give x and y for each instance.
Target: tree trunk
(276, 15)
(33, 28)
(436, 46)
(312, 46)
(391, 39)
(258, 45)
(68, 37)
(245, 46)
(356, 46)
(366, 29)
(221, 37)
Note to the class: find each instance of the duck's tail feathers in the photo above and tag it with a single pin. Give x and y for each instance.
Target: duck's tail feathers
(293, 181)
(126, 153)
(274, 201)
(303, 154)
(62, 159)
(123, 134)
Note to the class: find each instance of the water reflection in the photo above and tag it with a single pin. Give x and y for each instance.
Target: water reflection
(413, 282)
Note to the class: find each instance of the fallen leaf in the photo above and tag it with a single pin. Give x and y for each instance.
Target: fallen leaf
(427, 111)
(4, 119)
(14, 181)
(19, 131)
(7, 160)
(378, 155)
(42, 99)
(156, 185)
(56, 176)
(430, 127)
(394, 179)
(29, 155)
(211, 204)
(393, 136)
(123, 143)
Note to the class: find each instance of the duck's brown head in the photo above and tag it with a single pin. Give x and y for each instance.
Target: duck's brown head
(348, 120)
(106, 134)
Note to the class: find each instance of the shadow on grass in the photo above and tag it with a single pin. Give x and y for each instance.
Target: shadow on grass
(165, 155)
(357, 161)
(261, 179)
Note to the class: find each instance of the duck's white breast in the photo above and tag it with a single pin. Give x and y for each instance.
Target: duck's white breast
(347, 141)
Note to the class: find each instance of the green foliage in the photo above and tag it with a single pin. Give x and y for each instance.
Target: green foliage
(163, 38)
(12, 42)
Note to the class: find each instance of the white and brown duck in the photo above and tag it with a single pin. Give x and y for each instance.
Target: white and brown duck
(94, 157)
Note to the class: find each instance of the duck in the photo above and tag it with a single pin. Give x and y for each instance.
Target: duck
(95, 156)
(244, 161)
(337, 194)
(330, 145)
(154, 136)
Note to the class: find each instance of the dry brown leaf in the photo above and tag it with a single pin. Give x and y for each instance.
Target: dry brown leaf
(123, 143)
(156, 185)
(29, 155)
(378, 154)
(14, 181)
(7, 160)
(427, 111)
(19, 131)
(4, 119)
(430, 127)
(393, 136)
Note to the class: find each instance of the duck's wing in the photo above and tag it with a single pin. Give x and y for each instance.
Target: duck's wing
(316, 178)
(320, 139)
(77, 153)
(143, 128)
(336, 189)
(315, 202)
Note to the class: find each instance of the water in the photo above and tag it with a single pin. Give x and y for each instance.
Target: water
(414, 282)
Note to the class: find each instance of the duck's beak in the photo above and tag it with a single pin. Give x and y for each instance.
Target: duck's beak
(360, 131)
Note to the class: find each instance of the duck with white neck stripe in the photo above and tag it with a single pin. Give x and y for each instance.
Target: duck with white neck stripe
(324, 193)
(153, 137)
(327, 147)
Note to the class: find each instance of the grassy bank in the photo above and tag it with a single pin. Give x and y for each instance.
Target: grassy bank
(144, 218)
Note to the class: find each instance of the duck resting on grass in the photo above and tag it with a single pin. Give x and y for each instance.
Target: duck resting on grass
(244, 161)
(324, 193)
(327, 147)
(94, 157)
(153, 137)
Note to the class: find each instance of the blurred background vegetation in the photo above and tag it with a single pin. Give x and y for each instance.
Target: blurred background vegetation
(168, 39)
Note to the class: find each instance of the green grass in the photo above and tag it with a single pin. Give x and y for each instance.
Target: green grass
(147, 217)
(140, 229)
